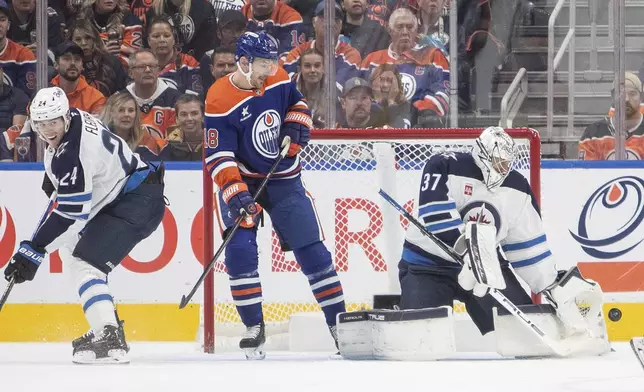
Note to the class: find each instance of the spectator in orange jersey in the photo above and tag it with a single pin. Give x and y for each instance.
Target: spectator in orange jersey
(179, 70)
(17, 62)
(102, 70)
(347, 58)
(122, 116)
(598, 140)
(154, 97)
(121, 31)
(278, 20)
(69, 66)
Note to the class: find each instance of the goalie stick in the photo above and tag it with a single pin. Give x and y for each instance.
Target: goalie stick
(496, 294)
(186, 298)
(12, 281)
(637, 344)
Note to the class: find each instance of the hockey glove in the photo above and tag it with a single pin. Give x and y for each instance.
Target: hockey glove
(240, 201)
(578, 301)
(297, 126)
(24, 264)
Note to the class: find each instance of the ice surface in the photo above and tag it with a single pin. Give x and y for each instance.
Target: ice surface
(179, 367)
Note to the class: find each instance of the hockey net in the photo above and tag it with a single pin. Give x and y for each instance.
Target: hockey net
(362, 232)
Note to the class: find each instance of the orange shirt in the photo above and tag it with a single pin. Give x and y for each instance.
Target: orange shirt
(84, 97)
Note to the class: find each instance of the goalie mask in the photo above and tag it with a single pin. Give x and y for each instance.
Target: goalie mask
(49, 115)
(494, 153)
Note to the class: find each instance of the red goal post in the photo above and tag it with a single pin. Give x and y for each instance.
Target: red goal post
(331, 155)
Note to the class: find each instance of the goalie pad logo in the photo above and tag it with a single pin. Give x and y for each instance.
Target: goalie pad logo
(610, 224)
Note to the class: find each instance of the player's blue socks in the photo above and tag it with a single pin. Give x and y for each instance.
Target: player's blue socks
(241, 261)
(247, 296)
(316, 263)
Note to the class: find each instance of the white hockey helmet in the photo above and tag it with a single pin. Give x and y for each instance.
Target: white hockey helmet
(48, 104)
(494, 153)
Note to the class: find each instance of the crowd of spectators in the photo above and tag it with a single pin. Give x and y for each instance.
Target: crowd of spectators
(144, 66)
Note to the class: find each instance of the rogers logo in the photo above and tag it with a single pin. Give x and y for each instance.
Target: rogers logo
(610, 222)
(7, 236)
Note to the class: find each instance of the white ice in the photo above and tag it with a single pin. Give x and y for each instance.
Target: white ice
(178, 367)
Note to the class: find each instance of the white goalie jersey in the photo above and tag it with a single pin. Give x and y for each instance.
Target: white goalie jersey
(452, 192)
(89, 170)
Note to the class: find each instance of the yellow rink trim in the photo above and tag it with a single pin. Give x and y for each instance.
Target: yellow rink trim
(166, 322)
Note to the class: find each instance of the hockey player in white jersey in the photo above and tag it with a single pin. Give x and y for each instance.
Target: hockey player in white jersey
(108, 200)
(458, 190)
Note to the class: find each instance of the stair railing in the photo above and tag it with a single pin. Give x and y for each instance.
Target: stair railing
(513, 98)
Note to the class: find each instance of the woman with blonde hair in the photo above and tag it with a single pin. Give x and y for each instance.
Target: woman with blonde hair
(194, 21)
(121, 31)
(102, 70)
(122, 116)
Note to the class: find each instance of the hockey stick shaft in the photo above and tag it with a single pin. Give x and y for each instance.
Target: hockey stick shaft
(496, 294)
(186, 298)
(12, 281)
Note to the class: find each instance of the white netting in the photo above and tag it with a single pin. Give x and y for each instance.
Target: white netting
(363, 234)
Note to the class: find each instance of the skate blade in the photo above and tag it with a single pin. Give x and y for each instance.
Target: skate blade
(255, 354)
(114, 357)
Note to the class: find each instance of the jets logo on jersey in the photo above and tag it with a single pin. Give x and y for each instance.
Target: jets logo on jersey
(610, 224)
(471, 212)
(266, 133)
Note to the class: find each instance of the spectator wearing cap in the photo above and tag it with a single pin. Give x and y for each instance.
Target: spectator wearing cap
(69, 66)
(23, 25)
(347, 58)
(17, 62)
(364, 34)
(278, 20)
(357, 106)
(598, 139)
(231, 25)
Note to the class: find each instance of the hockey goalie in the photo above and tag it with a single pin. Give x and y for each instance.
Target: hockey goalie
(483, 209)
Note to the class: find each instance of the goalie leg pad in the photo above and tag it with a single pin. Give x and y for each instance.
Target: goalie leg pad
(404, 335)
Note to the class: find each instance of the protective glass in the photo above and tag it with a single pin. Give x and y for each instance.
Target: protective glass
(265, 67)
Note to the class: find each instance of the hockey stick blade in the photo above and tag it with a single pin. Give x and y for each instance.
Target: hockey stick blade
(637, 344)
(496, 294)
(286, 142)
(7, 291)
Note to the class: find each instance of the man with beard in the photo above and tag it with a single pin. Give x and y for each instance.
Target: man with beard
(69, 66)
(366, 35)
(356, 104)
(598, 140)
(17, 62)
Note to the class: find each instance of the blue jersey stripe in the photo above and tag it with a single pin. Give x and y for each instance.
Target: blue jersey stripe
(531, 261)
(525, 244)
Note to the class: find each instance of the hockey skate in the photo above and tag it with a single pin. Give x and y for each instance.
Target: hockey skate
(334, 333)
(108, 347)
(89, 335)
(253, 342)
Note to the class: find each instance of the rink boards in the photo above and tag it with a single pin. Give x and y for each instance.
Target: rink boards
(592, 213)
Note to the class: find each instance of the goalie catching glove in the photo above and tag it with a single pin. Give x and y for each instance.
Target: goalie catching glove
(578, 301)
(481, 270)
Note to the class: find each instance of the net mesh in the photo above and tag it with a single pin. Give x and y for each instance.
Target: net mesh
(353, 222)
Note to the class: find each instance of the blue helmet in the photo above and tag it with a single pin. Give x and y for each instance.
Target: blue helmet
(259, 44)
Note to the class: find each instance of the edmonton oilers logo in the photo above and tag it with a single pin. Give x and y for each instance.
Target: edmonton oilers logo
(472, 213)
(610, 222)
(266, 134)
